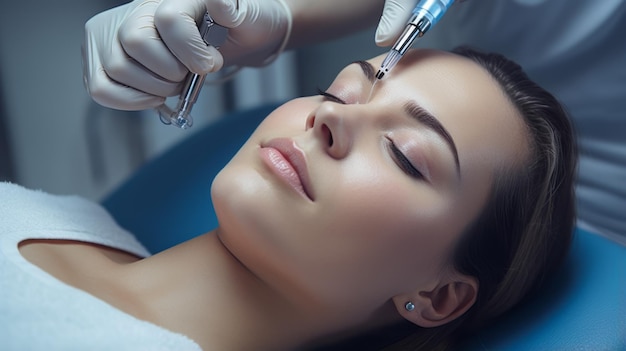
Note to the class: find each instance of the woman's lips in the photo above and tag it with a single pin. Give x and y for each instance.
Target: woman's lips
(288, 162)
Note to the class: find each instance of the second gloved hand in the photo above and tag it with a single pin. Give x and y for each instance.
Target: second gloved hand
(137, 54)
(395, 15)
(393, 20)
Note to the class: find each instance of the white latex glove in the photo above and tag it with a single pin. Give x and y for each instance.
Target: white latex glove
(393, 20)
(396, 13)
(137, 54)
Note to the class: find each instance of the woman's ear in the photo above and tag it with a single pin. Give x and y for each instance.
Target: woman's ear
(443, 304)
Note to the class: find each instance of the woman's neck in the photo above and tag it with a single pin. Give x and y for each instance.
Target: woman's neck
(199, 289)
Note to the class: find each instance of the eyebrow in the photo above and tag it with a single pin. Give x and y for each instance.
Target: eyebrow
(368, 70)
(424, 117)
(419, 114)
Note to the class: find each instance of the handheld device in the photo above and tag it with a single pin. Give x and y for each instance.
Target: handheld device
(212, 34)
(425, 15)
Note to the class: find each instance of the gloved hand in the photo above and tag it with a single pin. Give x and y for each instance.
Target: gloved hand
(137, 54)
(395, 15)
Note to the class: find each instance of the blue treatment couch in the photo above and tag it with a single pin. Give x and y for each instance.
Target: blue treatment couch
(584, 308)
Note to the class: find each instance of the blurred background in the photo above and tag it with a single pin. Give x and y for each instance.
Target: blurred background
(55, 138)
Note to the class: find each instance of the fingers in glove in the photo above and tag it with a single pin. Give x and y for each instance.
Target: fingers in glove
(141, 41)
(111, 94)
(228, 13)
(106, 91)
(178, 28)
(126, 71)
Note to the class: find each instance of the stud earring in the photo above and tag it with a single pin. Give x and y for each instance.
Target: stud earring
(409, 306)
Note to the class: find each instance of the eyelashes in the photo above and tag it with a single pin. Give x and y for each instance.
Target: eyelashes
(330, 97)
(402, 161)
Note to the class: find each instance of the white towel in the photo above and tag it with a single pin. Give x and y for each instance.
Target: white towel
(39, 312)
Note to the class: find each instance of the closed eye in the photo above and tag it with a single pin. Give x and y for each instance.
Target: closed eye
(402, 161)
(330, 97)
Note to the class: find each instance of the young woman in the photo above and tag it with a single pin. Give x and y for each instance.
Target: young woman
(441, 199)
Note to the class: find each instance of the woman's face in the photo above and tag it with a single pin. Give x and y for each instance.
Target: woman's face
(342, 200)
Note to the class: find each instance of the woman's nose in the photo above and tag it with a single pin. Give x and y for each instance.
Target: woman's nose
(334, 125)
